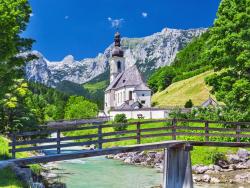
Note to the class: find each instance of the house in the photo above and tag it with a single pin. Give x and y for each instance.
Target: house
(127, 89)
(210, 102)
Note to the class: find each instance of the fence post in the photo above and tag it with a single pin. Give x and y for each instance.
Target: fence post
(138, 134)
(206, 131)
(238, 133)
(99, 137)
(174, 129)
(13, 137)
(58, 141)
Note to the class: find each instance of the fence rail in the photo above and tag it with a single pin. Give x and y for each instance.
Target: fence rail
(199, 132)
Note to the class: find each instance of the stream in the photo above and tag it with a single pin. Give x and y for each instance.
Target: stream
(99, 172)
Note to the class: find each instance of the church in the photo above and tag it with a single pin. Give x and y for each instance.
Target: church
(127, 89)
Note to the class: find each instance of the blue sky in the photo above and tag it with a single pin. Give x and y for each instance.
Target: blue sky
(83, 28)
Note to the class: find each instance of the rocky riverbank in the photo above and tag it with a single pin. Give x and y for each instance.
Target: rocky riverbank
(232, 168)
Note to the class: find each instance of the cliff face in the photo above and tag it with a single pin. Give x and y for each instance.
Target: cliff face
(148, 53)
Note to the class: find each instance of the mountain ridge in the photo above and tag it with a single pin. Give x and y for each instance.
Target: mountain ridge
(149, 53)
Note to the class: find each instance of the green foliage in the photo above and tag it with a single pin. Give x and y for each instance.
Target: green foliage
(78, 107)
(14, 16)
(46, 103)
(216, 156)
(8, 179)
(188, 104)
(14, 113)
(161, 79)
(229, 54)
(120, 118)
(189, 62)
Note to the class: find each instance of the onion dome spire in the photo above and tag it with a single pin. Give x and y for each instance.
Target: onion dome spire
(117, 51)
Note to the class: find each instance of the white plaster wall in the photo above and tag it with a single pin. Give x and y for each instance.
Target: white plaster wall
(147, 97)
(148, 114)
(113, 67)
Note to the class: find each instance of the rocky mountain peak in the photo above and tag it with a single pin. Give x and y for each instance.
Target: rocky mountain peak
(148, 53)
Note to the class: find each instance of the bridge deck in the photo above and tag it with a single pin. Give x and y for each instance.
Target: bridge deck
(98, 152)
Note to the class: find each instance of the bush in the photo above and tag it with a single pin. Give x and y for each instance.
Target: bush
(189, 104)
(216, 156)
(120, 118)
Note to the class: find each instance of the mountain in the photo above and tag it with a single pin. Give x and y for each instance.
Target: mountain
(148, 53)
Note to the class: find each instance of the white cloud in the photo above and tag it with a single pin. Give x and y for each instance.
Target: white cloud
(144, 14)
(31, 14)
(66, 17)
(115, 22)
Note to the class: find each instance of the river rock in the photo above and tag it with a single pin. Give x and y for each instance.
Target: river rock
(151, 154)
(214, 180)
(128, 160)
(240, 166)
(206, 178)
(243, 154)
(242, 178)
(199, 169)
(223, 164)
(233, 159)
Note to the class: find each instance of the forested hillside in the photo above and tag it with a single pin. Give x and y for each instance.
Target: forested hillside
(225, 48)
(189, 62)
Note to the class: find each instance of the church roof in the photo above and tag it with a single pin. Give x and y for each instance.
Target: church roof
(129, 77)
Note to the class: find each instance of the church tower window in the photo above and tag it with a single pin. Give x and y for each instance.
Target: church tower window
(119, 66)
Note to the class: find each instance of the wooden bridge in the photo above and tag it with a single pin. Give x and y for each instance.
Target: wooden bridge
(179, 136)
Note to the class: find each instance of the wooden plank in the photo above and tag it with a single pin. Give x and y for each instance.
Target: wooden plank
(212, 134)
(90, 136)
(238, 133)
(174, 123)
(156, 135)
(100, 137)
(156, 129)
(58, 142)
(214, 122)
(54, 146)
(138, 133)
(119, 139)
(13, 151)
(92, 153)
(119, 133)
(76, 122)
(206, 131)
(34, 141)
(203, 128)
(220, 144)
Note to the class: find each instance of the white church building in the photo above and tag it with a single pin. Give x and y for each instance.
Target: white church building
(127, 92)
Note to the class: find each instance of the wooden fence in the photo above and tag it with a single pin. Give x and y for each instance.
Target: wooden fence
(197, 132)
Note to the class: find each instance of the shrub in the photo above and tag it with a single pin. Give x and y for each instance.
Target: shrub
(120, 118)
(189, 104)
(216, 156)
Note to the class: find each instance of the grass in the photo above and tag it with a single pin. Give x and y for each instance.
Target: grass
(7, 177)
(92, 87)
(178, 93)
(9, 180)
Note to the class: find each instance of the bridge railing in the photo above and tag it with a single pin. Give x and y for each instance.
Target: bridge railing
(198, 132)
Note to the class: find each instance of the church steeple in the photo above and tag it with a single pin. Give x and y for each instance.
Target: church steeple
(117, 51)
(117, 61)
(117, 39)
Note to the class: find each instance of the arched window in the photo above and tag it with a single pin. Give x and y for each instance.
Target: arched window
(119, 66)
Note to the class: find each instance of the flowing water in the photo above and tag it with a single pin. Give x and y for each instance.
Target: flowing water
(99, 172)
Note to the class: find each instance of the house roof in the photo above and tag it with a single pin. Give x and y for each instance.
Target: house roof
(129, 77)
(209, 101)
